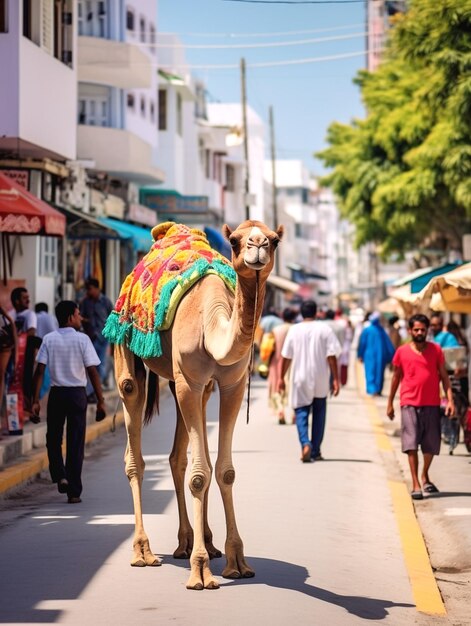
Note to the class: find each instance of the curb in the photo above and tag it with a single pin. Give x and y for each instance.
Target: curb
(32, 465)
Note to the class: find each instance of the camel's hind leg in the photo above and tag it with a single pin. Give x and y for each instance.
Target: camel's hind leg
(230, 401)
(130, 379)
(178, 463)
(190, 401)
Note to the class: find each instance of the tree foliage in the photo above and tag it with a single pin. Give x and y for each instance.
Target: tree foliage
(403, 174)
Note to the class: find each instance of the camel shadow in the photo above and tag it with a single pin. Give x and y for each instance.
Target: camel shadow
(292, 577)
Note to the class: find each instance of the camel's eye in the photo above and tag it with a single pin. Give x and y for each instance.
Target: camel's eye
(234, 241)
(275, 242)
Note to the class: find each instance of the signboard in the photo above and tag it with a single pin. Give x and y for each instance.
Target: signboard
(172, 203)
(19, 176)
(142, 215)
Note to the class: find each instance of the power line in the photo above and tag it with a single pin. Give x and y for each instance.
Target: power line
(333, 57)
(298, 1)
(274, 34)
(272, 44)
(232, 66)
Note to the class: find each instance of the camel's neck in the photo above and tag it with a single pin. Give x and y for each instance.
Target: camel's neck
(229, 334)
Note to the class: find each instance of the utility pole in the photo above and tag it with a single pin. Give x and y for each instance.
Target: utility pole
(246, 139)
(273, 182)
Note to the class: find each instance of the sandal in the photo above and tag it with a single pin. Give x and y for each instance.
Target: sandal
(417, 495)
(430, 488)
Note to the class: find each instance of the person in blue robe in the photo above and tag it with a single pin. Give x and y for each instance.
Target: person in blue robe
(375, 351)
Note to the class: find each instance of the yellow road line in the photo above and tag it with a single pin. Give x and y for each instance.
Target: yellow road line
(424, 586)
(382, 440)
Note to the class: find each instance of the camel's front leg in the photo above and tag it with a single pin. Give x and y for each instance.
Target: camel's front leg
(178, 464)
(230, 401)
(191, 406)
(131, 385)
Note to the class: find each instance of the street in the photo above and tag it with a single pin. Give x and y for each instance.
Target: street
(323, 538)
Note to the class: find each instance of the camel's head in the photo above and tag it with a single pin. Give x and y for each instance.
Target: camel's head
(253, 246)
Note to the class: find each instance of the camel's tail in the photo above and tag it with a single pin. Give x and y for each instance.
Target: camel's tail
(152, 400)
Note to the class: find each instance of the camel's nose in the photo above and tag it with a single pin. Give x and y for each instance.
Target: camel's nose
(257, 238)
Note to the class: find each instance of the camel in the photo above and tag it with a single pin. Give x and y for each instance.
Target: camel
(209, 341)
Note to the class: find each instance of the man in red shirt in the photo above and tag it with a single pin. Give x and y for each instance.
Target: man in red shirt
(419, 366)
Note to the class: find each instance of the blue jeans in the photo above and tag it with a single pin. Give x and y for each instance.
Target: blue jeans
(319, 408)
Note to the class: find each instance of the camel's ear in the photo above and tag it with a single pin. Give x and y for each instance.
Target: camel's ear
(280, 231)
(226, 231)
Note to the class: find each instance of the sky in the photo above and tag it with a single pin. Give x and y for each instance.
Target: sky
(306, 98)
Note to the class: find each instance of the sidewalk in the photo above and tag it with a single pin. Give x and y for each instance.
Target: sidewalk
(23, 457)
(444, 518)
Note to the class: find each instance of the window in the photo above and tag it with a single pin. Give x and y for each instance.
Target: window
(179, 115)
(298, 231)
(207, 163)
(63, 31)
(93, 111)
(143, 106)
(49, 24)
(130, 19)
(130, 101)
(92, 18)
(152, 111)
(230, 178)
(4, 17)
(48, 256)
(142, 28)
(152, 39)
(162, 109)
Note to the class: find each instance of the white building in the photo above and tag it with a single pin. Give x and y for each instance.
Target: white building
(38, 104)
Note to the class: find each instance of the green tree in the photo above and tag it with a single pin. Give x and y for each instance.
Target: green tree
(403, 174)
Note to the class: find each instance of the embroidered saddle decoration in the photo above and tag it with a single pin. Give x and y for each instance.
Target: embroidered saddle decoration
(149, 297)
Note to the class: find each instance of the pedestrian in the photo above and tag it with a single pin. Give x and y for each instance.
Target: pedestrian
(24, 318)
(375, 351)
(26, 322)
(393, 331)
(344, 359)
(46, 323)
(70, 355)
(439, 335)
(419, 366)
(277, 400)
(8, 355)
(95, 308)
(311, 348)
(270, 320)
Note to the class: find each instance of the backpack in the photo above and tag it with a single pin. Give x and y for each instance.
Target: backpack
(267, 347)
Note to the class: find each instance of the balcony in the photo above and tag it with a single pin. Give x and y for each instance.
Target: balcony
(119, 153)
(115, 63)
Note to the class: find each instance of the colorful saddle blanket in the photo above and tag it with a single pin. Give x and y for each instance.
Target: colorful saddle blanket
(150, 294)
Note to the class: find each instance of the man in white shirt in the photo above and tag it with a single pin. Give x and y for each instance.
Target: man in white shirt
(311, 348)
(70, 356)
(24, 318)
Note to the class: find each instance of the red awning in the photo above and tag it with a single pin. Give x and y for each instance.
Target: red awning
(21, 213)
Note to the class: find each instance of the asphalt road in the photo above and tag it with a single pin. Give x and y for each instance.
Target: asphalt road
(324, 539)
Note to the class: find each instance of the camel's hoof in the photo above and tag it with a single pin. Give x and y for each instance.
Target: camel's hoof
(213, 584)
(154, 563)
(248, 573)
(213, 552)
(231, 573)
(181, 553)
(138, 563)
(195, 586)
